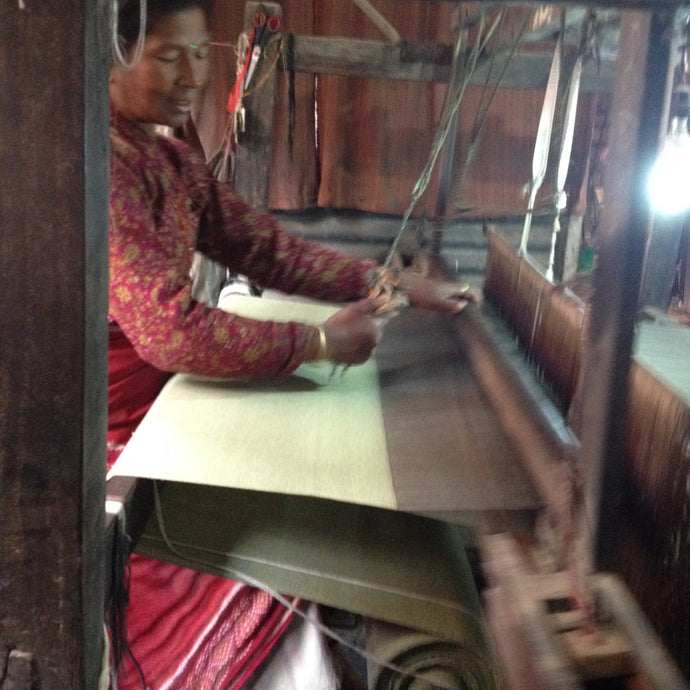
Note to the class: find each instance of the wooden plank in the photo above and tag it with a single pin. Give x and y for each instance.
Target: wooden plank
(53, 348)
(661, 262)
(349, 57)
(638, 112)
(538, 433)
(683, 286)
(385, 27)
(542, 663)
(557, 650)
(623, 4)
(254, 145)
(530, 71)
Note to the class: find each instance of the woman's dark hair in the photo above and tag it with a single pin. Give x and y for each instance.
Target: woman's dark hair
(128, 16)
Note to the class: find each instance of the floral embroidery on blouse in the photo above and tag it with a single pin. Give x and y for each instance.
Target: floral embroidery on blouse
(165, 205)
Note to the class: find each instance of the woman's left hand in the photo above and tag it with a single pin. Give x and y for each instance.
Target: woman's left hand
(437, 295)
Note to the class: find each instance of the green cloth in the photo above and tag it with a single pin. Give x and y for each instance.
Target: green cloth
(403, 569)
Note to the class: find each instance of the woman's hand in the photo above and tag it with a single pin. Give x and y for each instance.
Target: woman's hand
(353, 332)
(437, 295)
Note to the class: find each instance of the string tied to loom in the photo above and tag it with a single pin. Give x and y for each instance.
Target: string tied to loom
(386, 281)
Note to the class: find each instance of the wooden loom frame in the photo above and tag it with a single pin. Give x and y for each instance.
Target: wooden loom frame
(53, 481)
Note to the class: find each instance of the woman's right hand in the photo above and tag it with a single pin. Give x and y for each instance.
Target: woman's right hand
(353, 332)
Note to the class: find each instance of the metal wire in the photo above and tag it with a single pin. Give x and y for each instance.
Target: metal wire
(118, 55)
(459, 79)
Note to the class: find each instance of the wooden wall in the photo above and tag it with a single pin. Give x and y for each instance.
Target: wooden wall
(53, 341)
(362, 142)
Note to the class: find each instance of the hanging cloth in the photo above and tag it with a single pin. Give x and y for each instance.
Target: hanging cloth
(543, 142)
(564, 158)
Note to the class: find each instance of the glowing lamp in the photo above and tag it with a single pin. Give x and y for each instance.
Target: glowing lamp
(669, 182)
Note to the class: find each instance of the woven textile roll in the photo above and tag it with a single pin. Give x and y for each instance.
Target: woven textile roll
(419, 661)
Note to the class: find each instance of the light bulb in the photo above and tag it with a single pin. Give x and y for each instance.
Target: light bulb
(669, 184)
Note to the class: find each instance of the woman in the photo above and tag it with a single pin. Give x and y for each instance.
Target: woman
(165, 206)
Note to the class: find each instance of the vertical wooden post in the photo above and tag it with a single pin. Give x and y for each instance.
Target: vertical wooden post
(254, 149)
(684, 277)
(662, 256)
(664, 243)
(638, 113)
(53, 343)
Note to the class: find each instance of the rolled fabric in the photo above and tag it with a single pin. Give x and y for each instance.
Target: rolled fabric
(403, 659)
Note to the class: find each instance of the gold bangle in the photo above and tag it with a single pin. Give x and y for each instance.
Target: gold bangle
(321, 353)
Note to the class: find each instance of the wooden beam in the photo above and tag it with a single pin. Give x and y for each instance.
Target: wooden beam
(53, 347)
(385, 27)
(621, 4)
(531, 71)
(638, 112)
(349, 57)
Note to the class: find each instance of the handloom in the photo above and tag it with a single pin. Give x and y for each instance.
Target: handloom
(439, 429)
(548, 324)
(407, 431)
(436, 452)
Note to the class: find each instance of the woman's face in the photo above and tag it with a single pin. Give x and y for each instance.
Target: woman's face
(164, 84)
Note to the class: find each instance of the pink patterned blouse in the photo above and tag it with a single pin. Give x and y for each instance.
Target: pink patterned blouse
(165, 205)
